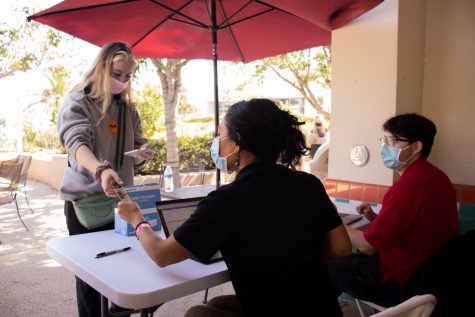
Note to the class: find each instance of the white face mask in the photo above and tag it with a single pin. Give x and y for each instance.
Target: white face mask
(117, 86)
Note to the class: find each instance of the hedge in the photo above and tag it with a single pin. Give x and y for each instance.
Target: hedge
(192, 151)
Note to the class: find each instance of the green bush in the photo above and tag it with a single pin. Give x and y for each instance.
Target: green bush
(200, 120)
(192, 151)
(35, 139)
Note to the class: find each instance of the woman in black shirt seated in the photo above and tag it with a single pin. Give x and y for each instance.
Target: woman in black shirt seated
(274, 225)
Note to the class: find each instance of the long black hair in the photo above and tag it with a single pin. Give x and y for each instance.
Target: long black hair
(270, 133)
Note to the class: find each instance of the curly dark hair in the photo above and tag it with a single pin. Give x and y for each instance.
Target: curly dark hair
(267, 131)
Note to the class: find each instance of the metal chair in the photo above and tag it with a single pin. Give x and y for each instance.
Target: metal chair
(24, 176)
(9, 180)
(416, 306)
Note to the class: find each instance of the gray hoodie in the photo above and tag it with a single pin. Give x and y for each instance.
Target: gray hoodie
(78, 124)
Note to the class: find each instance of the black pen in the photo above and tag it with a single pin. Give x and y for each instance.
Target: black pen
(107, 253)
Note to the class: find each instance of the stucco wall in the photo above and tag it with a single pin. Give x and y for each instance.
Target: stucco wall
(364, 57)
(49, 169)
(405, 56)
(449, 86)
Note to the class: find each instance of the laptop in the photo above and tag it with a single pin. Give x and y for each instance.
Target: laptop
(348, 219)
(174, 212)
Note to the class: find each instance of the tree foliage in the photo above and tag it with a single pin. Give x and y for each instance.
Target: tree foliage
(16, 52)
(35, 139)
(58, 79)
(301, 69)
(193, 151)
(150, 107)
(185, 108)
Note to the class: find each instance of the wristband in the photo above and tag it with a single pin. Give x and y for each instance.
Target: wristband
(140, 226)
(101, 168)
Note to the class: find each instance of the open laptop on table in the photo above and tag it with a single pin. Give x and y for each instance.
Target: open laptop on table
(174, 212)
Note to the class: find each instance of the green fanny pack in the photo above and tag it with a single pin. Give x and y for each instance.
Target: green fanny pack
(96, 210)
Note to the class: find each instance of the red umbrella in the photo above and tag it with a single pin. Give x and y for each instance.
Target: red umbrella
(239, 30)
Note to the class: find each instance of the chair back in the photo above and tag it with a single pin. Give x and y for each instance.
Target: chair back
(319, 163)
(10, 174)
(416, 306)
(24, 169)
(9, 180)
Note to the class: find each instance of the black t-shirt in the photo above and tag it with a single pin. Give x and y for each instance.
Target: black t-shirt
(269, 225)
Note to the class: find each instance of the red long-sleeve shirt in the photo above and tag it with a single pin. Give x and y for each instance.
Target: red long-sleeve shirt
(418, 215)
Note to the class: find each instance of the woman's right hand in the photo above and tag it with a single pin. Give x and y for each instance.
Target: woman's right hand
(108, 178)
(366, 210)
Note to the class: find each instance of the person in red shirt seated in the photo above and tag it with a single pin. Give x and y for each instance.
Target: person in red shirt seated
(418, 215)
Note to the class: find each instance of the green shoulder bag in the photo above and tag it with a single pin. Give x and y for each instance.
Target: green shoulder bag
(96, 210)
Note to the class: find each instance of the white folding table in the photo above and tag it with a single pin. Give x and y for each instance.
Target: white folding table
(131, 279)
(188, 192)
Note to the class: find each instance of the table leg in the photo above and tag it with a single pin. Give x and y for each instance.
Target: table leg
(105, 310)
(104, 306)
(148, 312)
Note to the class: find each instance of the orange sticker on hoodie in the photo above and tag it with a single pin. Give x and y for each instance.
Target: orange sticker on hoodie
(113, 126)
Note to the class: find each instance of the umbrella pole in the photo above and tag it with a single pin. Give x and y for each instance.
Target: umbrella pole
(214, 40)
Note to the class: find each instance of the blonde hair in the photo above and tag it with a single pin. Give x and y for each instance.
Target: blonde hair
(96, 81)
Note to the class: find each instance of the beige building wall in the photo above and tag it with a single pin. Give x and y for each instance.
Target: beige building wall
(405, 56)
(364, 57)
(449, 85)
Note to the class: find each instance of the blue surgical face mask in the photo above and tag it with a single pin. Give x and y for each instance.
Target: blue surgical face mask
(220, 162)
(390, 156)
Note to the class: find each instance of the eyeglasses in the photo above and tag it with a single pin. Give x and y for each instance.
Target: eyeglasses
(392, 140)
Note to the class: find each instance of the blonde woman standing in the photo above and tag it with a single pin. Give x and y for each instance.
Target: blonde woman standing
(97, 123)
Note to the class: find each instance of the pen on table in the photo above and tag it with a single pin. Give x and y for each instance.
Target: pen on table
(107, 253)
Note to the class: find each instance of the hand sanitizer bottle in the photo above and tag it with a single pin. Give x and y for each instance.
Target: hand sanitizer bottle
(168, 179)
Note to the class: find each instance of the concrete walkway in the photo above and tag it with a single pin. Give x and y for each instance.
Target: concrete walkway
(35, 285)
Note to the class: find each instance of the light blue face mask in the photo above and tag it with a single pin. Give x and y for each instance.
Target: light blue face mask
(390, 156)
(220, 162)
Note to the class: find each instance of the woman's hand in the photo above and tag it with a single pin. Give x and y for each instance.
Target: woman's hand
(145, 152)
(130, 212)
(108, 178)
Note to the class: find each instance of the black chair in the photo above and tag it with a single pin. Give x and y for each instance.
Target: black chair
(24, 176)
(9, 180)
(447, 274)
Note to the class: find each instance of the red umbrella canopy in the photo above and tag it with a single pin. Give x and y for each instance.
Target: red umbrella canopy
(246, 30)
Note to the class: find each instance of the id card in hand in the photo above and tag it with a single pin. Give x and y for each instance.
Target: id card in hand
(120, 191)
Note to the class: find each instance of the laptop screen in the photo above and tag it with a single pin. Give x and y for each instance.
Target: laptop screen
(175, 212)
